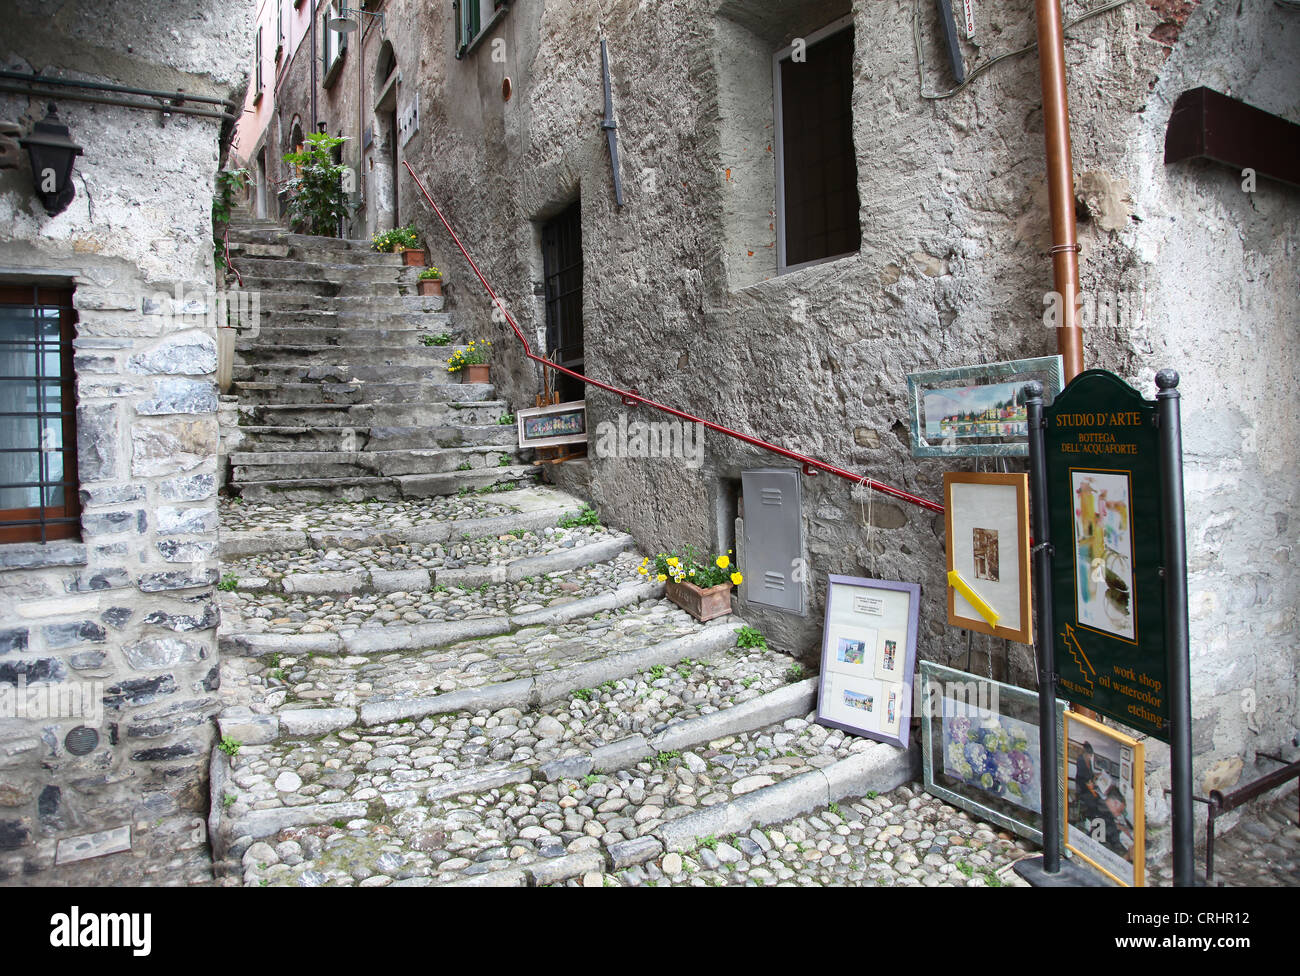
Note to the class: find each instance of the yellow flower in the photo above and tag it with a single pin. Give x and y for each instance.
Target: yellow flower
(672, 560)
(737, 578)
(723, 562)
(692, 572)
(642, 570)
(661, 577)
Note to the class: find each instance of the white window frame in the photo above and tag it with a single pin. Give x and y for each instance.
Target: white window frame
(834, 27)
(335, 47)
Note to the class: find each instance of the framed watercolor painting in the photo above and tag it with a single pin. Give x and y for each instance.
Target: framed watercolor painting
(980, 748)
(977, 411)
(1105, 821)
(868, 654)
(559, 423)
(987, 521)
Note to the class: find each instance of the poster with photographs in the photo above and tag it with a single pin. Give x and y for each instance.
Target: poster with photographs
(987, 518)
(868, 653)
(981, 747)
(1104, 822)
(1103, 552)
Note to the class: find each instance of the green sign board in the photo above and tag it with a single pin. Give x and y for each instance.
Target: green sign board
(1103, 492)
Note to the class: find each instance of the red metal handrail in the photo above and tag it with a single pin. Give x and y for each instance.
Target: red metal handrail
(810, 465)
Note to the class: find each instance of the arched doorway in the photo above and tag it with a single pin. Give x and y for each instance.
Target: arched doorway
(383, 154)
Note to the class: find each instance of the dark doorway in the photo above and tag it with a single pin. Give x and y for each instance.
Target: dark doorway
(820, 172)
(562, 270)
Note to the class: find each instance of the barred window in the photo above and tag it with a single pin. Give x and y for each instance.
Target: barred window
(38, 441)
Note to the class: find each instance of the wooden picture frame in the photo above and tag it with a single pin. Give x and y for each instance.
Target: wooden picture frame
(1011, 795)
(948, 394)
(559, 423)
(1105, 821)
(868, 657)
(986, 517)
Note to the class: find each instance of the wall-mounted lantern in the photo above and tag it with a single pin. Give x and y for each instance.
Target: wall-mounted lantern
(52, 153)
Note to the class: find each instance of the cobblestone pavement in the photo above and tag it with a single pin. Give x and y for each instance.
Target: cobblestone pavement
(268, 683)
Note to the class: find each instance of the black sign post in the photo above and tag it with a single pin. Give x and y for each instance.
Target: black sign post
(1168, 418)
(1047, 871)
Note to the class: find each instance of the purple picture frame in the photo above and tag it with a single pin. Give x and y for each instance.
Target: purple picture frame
(846, 687)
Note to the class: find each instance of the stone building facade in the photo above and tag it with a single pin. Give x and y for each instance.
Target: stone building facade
(686, 299)
(108, 666)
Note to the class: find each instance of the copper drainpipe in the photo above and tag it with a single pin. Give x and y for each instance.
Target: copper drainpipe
(1060, 182)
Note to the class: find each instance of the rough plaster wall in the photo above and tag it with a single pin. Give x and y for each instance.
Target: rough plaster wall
(1221, 285)
(132, 608)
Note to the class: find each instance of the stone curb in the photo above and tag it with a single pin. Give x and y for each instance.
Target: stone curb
(527, 693)
(881, 768)
(235, 544)
(419, 580)
(791, 701)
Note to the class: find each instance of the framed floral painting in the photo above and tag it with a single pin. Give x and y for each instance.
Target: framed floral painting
(980, 747)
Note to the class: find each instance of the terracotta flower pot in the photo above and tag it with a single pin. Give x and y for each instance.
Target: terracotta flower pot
(429, 286)
(476, 374)
(413, 257)
(700, 604)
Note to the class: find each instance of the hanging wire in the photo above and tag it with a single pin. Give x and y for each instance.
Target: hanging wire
(920, 56)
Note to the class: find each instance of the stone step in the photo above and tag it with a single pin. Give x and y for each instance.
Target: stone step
(344, 290)
(263, 439)
(273, 254)
(348, 306)
(285, 269)
(410, 365)
(414, 568)
(251, 467)
(387, 488)
(279, 235)
(373, 414)
(248, 528)
(357, 336)
(425, 391)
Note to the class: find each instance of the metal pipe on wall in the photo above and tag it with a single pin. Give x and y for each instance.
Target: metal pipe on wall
(1060, 182)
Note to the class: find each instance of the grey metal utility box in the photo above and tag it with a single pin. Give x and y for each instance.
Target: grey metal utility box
(773, 538)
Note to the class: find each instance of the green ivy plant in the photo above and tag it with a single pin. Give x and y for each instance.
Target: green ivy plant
(317, 202)
(229, 183)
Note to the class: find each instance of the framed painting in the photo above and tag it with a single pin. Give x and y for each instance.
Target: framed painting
(987, 521)
(559, 423)
(868, 655)
(1105, 821)
(977, 411)
(980, 748)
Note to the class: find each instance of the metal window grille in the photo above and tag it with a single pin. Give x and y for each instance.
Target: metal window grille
(38, 442)
(562, 269)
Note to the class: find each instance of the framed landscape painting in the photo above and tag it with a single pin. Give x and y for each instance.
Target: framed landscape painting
(977, 411)
(980, 748)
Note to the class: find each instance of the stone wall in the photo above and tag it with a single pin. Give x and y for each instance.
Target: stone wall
(127, 615)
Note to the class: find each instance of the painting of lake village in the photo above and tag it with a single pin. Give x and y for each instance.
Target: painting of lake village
(994, 410)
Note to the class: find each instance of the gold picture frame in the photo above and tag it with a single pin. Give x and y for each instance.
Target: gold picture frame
(986, 518)
(1105, 822)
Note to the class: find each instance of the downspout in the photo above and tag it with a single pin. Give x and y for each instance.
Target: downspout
(312, 125)
(1060, 182)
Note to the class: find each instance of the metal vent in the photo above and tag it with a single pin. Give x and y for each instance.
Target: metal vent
(773, 581)
(81, 741)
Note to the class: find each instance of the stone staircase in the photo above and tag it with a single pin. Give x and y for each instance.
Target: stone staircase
(338, 396)
(435, 672)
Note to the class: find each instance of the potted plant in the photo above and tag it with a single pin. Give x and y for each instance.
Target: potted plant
(317, 203)
(472, 361)
(429, 282)
(400, 240)
(701, 588)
